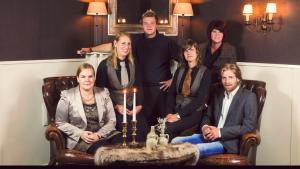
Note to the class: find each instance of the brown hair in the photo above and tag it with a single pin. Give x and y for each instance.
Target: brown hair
(189, 43)
(150, 13)
(84, 66)
(234, 68)
(113, 57)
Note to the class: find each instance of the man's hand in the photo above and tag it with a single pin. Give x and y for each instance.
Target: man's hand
(120, 109)
(205, 131)
(138, 109)
(171, 118)
(210, 133)
(85, 50)
(165, 84)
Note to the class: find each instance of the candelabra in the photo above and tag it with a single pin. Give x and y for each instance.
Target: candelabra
(124, 131)
(133, 142)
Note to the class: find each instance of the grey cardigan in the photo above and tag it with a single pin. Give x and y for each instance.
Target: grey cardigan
(70, 116)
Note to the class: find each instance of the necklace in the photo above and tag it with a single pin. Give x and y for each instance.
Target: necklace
(88, 99)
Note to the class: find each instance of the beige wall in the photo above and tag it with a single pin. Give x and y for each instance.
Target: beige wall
(22, 140)
(281, 114)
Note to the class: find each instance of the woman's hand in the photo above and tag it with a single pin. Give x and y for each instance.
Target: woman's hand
(120, 109)
(89, 137)
(171, 118)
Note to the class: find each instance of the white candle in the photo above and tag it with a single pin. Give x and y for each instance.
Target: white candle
(134, 105)
(124, 111)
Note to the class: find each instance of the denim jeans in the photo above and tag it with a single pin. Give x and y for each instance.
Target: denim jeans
(206, 148)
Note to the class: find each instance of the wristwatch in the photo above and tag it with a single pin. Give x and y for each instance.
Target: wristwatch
(178, 116)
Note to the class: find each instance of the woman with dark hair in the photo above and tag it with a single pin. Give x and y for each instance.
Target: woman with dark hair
(216, 52)
(188, 91)
(118, 72)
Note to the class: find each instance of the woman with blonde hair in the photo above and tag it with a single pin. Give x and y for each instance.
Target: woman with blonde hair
(119, 72)
(85, 114)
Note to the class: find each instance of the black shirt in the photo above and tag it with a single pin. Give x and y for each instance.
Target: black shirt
(153, 56)
(103, 81)
(209, 58)
(201, 95)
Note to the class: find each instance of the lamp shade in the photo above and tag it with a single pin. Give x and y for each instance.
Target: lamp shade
(248, 9)
(97, 8)
(271, 8)
(183, 9)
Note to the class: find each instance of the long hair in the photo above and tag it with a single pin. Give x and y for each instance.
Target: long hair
(84, 66)
(189, 43)
(113, 58)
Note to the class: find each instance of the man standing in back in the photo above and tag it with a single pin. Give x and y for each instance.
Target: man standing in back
(153, 53)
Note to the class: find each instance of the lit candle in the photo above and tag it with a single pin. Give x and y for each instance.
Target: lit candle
(124, 111)
(124, 20)
(134, 105)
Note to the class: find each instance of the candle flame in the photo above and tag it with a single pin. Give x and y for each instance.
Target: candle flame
(124, 91)
(134, 90)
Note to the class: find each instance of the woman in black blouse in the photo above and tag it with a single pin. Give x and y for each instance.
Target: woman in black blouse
(216, 52)
(188, 91)
(118, 72)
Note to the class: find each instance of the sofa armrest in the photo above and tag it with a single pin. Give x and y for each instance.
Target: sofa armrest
(249, 140)
(52, 133)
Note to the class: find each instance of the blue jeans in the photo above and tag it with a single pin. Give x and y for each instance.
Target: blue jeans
(206, 148)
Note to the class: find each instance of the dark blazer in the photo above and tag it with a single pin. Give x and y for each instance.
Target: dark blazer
(227, 55)
(241, 117)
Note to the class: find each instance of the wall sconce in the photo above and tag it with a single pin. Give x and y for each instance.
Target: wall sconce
(183, 9)
(260, 24)
(97, 9)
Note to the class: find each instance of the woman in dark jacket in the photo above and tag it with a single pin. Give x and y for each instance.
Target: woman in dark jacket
(118, 72)
(188, 91)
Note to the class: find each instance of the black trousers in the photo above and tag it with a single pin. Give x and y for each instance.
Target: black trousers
(174, 129)
(155, 101)
(142, 126)
(104, 142)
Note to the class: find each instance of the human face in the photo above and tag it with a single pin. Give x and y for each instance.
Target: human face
(149, 26)
(216, 36)
(190, 55)
(86, 79)
(229, 80)
(123, 47)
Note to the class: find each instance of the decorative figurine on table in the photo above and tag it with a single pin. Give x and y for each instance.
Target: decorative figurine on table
(163, 138)
(152, 139)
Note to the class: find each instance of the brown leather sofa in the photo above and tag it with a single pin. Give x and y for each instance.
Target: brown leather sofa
(59, 154)
(249, 141)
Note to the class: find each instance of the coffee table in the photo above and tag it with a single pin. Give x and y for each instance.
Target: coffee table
(171, 154)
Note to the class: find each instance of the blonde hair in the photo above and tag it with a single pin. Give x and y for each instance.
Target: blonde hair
(234, 68)
(112, 59)
(84, 66)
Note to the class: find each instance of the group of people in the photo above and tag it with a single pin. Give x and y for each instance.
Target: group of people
(91, 114)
